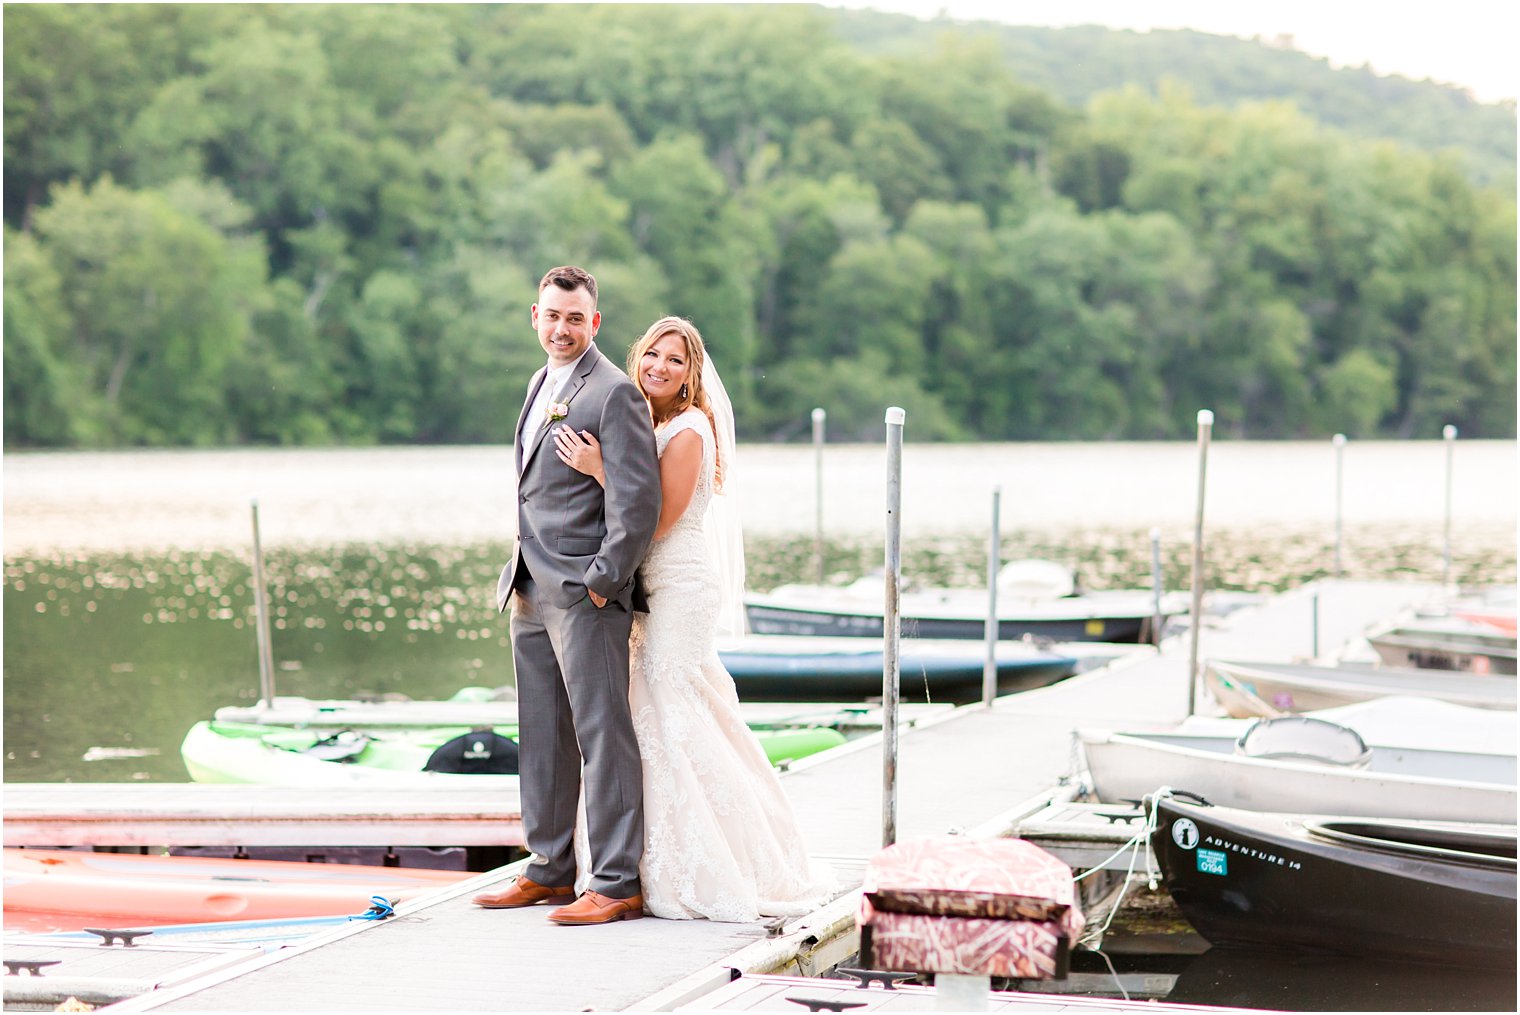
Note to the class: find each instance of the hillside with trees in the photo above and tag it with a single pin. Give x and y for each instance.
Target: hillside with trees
(1074, 64)
(300, 224)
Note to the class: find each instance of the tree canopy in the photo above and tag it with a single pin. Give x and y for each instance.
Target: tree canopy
(301, 224)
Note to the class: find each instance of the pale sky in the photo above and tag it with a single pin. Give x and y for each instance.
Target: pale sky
(1469, 43)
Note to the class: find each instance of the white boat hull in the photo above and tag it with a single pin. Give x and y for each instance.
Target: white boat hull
(1432, 785)
(1270, 689)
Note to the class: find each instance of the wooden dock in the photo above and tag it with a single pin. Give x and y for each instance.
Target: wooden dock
(791, 993)
(100, 976)
(977, 770)
(197, 814)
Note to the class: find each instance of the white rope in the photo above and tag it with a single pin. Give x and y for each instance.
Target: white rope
(1135, 844)
(1112, 971)
(1146, 828)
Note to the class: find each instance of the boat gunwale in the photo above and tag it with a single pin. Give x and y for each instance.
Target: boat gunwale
(1147, 741)
(1359, 677)
(1324, 829)
(913, 609)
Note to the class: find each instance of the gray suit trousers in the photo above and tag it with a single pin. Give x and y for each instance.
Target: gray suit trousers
(572, 690)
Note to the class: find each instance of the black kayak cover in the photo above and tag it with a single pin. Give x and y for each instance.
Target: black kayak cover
(478, 752)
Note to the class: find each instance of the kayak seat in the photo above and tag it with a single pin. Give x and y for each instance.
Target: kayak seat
(1301, 738)
(344, 747)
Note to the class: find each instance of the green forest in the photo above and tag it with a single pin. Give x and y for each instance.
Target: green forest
(310, 224)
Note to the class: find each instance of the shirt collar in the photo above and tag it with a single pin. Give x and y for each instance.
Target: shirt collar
(556, 375)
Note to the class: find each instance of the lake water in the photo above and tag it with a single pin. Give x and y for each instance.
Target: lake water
(115, 501)
(128, 610)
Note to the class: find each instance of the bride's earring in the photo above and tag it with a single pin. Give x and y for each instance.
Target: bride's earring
(683, 390)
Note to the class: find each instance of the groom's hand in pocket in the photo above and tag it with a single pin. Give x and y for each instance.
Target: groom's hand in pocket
(598, 601)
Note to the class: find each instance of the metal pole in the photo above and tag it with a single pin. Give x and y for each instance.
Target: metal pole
(891, 671)
(1156, 587)
(1449, 432)
(1339, 440)
(261, 618)
(818, 420)
(1314, 625)
(989, 668)
(1205, 428)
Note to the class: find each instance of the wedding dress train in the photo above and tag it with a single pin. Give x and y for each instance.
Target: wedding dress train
(720, 839)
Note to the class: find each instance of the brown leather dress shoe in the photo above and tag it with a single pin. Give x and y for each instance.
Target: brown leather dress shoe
(595, 908)
(522, 892)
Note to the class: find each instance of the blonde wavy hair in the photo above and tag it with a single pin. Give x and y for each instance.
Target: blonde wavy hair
(691, 393)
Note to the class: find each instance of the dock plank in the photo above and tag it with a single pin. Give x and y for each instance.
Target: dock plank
(777, 993)
(195, 814)
(100, 975)
(448, 954)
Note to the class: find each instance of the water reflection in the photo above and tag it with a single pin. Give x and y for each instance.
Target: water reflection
(112, 657)
(1303, 982)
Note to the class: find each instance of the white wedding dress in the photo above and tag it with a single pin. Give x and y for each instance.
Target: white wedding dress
(720, 839)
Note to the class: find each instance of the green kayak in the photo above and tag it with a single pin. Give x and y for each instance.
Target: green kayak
(218, 751)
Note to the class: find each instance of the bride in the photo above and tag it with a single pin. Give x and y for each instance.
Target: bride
(720, 839)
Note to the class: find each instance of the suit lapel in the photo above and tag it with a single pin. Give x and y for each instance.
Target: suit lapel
(522, 417)
(566, 394)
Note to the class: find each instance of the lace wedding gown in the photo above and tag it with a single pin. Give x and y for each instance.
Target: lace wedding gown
(720, 839)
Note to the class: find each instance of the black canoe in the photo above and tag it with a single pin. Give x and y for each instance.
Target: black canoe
(1387, 889)
(778, 668)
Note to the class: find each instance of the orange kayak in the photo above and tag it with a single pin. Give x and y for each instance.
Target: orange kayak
(68, 887)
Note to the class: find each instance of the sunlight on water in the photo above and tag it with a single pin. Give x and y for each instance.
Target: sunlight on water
(129, 617)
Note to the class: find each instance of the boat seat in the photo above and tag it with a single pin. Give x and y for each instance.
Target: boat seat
(1301, 738)
(1034, 578)
(343, 746)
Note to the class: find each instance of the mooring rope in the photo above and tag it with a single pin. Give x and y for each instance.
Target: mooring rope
(1135, 844)
(379, 908)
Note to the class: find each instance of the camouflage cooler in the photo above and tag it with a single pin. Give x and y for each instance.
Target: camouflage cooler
(950, 904)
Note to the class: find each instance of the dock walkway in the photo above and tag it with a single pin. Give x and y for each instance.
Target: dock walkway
(976, 769)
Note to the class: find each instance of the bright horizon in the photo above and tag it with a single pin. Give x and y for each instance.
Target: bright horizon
(1472, 45)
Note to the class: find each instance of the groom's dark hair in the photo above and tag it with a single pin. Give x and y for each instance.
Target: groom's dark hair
(569, 278)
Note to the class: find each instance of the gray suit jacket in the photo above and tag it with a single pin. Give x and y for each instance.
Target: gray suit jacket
(571, 534)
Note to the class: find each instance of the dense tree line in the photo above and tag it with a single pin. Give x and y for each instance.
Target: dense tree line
(307, 224)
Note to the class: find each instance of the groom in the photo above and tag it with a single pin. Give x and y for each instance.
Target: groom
(572, 574)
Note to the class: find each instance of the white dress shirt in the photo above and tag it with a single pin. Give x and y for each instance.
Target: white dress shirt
(548, 392)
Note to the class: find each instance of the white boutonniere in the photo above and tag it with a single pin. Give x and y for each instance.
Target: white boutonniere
(556, 411)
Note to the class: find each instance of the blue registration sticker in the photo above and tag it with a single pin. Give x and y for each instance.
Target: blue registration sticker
(1212, 862)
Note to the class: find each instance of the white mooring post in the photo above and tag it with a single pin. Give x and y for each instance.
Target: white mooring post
(819, 417)
(1205, 428)
(1157, 588)
(261, 618)
(1339, 442)
(962, 991)
(1449, 433)
(891, 669)
(989, 667)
